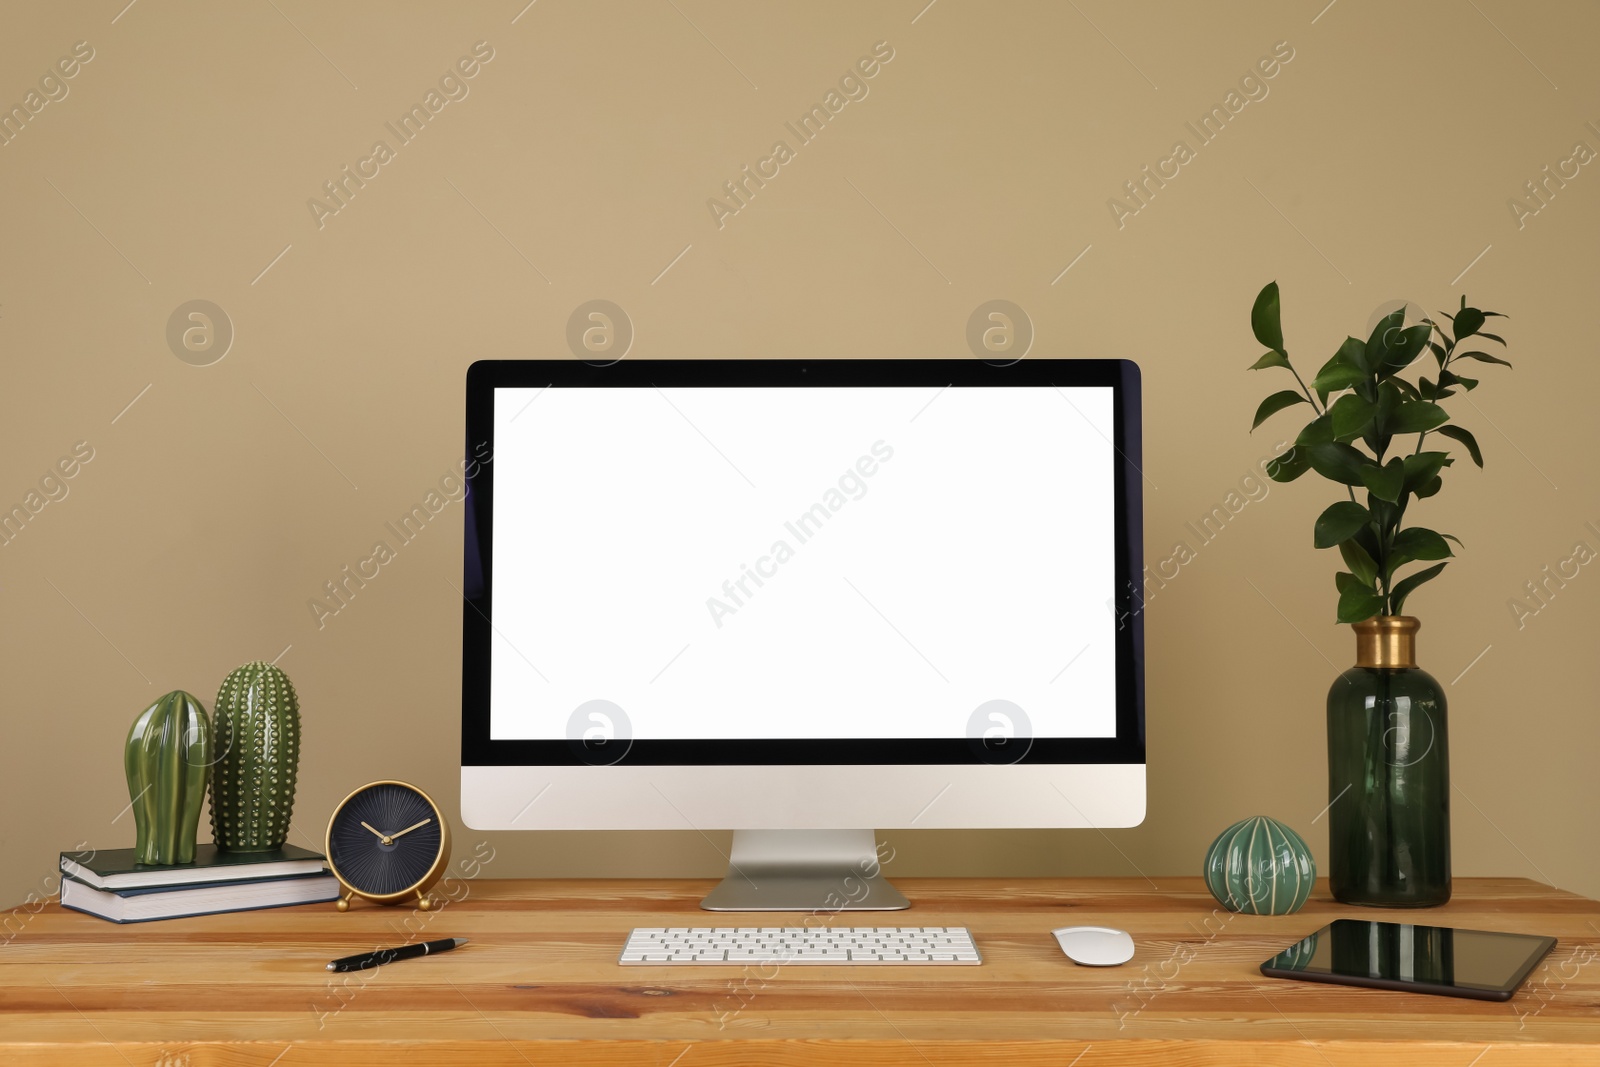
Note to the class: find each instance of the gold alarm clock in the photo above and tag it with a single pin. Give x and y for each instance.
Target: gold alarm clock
(388, 842)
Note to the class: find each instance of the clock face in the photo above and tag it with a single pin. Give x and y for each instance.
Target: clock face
(385, 839)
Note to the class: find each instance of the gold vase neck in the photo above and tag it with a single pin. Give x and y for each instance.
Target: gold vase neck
(1387, 641)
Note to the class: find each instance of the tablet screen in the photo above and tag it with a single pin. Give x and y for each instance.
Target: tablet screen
(1480, 964)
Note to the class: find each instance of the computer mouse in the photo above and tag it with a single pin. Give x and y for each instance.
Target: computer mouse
(1095, 946)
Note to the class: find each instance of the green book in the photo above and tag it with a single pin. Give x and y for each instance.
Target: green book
(115, 868)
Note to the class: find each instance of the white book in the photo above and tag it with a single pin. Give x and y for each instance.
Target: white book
(207, 898)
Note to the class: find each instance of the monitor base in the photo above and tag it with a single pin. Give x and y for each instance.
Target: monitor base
(804, 870)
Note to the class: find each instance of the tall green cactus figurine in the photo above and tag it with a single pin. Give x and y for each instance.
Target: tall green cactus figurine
(168, 760)
(258, 736)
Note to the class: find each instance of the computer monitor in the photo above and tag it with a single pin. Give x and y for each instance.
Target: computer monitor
(802, 600)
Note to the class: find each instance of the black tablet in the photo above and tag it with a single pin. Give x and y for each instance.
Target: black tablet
(1480, 964)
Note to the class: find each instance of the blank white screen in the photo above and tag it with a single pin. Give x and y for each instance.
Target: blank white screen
(973, 563)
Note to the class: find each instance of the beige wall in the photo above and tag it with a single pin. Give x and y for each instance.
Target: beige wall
(979, 166)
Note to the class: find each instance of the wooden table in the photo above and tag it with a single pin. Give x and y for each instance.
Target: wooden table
(540, 984)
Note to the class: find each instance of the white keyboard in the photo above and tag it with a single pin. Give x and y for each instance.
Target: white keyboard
(839, 946)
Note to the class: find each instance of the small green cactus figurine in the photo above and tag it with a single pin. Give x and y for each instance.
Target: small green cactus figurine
(1259, 866)
(168, 760)
(258, 736)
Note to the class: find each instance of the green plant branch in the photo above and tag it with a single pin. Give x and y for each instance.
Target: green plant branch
(1391, 405)
(1444, 365)
(1310, 396)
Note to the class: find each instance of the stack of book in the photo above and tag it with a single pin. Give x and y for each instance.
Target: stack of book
(113, 886)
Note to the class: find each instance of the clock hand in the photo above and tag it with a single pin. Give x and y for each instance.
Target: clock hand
(385, 838)
(410, 828)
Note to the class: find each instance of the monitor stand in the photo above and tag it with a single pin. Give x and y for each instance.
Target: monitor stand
(804, 870)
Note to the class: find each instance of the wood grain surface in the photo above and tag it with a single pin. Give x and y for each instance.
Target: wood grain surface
(539, 984)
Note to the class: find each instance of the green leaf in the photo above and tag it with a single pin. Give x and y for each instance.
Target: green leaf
(1483, 357)
(1468, 321)
(1423, 467)
(1385, 482)
(1450, 377)
(1351, 416)
(1264, 320)
(1384, 516)
(1491, 337)
(1412, 544)
(1456, 433)
(1420, 543)
(1391, 348)
(1438, 350)
(1337, 376)
(1415, 416)
(1406, 347)
(1289, 466)
(1270, 359)
(1430, 487)
(1318, 431)
(1367, 538)
(1360, 562)
(1405, 587)
(1356, 601)
(1339, 523)
(1338, 462)
(1382, 338)
(1274, 404)
(1352, 352)
(1390, 397)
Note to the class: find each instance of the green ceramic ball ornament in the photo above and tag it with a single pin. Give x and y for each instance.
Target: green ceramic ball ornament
(258, 741)
(1260, 867)
(167, 758)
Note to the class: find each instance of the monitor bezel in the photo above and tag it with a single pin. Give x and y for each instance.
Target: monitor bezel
(479, 749)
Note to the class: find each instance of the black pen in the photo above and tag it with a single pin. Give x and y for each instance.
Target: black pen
(391, 955)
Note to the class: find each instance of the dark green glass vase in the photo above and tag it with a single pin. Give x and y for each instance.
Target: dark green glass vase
(1388, 774)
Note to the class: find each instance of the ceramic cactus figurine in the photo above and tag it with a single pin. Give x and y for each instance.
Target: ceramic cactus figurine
(168, 760)
(1259, 866)
(258, 741)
